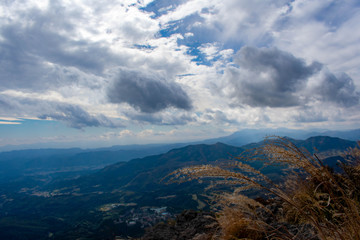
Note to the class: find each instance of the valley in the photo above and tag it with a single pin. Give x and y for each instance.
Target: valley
(123, 198)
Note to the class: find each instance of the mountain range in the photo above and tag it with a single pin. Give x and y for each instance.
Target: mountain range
(72, 162)
(71, 206)
(237, 138)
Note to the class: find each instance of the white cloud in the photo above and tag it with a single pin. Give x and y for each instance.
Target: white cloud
(184, 10)
(122, 134)
(9, 123)
(310, 32)
(10, 119)
(242, 22)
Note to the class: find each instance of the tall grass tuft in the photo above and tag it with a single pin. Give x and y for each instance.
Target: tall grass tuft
(318, 202)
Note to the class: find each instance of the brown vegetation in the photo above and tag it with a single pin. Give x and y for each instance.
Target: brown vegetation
(313, 203)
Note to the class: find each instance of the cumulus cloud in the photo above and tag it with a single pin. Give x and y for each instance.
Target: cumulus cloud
(73, 115)
(232, 22)
(32, 55)
(338, 89)
(37, 43)
(147, 91)
(63, 58)
(269, 77)
(70, 49)
(322, 30)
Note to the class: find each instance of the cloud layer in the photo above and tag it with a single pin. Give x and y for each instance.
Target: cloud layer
(337, 89)
(215, 65)
(73, 115)
(147, 91)
(269, 77)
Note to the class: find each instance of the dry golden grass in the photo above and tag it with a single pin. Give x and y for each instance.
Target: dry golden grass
(312, 194)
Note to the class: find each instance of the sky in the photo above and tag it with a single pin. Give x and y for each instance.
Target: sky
(101, 73)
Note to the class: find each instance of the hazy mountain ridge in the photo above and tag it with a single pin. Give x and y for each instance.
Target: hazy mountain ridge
(41, 161)
(159, 165)
(247, 136)
(238, 138)
(76, 161)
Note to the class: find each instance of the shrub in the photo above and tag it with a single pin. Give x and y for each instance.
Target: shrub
(313, 197)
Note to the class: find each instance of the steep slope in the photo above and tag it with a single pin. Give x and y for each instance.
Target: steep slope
(147, 172)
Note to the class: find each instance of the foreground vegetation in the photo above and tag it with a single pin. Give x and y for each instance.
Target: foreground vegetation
(314, 202)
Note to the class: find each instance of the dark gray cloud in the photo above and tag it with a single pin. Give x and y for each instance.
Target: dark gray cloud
(30, 54)
(77, 117)
(26, 52)
(73, 115)
(269, 77)
(338, 89)
(274, 78)
(285, 71)
(147, 91)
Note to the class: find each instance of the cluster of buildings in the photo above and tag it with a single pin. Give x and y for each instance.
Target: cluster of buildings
(144, 216)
